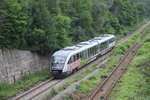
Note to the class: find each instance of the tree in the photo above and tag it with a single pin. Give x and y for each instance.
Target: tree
(41, 23)
(61, 28)
(100, 13)
(13, 27)
(53, 6)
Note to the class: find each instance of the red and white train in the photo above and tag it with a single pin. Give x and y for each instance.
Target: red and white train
(68, 59)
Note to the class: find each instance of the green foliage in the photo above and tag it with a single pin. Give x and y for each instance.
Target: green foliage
(13, 27)
(60, 27)
(136, 81)
(8, 90)
(86, 86)
(48, 25)
(89, 85)
(40, 23)
(129, 84)
(124, 46)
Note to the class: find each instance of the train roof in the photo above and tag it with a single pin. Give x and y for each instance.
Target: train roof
(83, 45)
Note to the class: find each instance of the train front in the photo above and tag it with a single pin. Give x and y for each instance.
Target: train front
(57, 66)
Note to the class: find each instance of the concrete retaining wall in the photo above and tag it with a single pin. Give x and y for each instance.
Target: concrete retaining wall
(16, 64)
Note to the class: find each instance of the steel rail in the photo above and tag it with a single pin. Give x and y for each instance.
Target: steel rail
(110, 89)
(104, 82)
(45, 90)
(26, 93)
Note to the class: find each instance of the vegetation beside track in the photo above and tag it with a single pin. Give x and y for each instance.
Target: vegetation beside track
(86, 87)
(135, 83)
(8, 90)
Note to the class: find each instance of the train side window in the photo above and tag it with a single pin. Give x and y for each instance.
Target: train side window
(95, 50)
(78, 56)
(88, 52)
(74, 58)
(99, 47)
(92, 50)
(103, 45)
(82, 54)
(71, 59)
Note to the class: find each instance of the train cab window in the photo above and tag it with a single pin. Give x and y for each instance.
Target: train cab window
(69, 61)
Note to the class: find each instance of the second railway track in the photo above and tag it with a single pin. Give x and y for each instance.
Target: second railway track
(103, 90)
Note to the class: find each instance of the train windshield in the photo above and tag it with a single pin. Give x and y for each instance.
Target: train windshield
(59, 59)
(58, 62)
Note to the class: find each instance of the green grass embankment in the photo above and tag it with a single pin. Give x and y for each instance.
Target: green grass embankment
(135, 84)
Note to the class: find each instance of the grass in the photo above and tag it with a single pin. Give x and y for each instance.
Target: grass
(9, 90)
(135, 83)
(89, 85)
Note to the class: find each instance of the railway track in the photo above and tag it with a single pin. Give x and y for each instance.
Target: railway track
(33, 93)
(104, 89)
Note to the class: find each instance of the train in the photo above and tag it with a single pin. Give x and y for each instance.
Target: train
(69, 59)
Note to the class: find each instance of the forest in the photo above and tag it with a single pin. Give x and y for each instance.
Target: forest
(48, 25)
